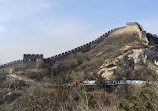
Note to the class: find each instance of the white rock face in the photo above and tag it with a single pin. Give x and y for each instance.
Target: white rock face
(107, 72)
(138, 57)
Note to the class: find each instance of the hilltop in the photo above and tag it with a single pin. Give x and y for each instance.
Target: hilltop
(124, 53)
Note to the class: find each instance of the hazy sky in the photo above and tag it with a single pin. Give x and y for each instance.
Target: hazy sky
(50, 27)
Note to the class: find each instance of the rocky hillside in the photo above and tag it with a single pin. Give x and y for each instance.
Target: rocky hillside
(120, 54)
(125, 53)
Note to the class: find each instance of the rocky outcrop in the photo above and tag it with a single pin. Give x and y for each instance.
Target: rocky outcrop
(133, 57)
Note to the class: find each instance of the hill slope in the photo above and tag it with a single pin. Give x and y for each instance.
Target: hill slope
(124, 53)
(121, 55)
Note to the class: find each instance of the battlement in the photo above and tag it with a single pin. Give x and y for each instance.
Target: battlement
(11, 63)
(31, 61)
(137, 27)
(131, 23)
(33, 55)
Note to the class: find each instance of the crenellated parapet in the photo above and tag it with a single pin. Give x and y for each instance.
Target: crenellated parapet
(32, 57)
(131, 23)
(141, 32)
(11, 63)
(81, 48)
(10, 67)
(31, 61)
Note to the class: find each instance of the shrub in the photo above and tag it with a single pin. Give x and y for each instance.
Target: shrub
(100, 82)
(144, 100)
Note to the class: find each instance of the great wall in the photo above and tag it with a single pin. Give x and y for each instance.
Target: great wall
(33, 61)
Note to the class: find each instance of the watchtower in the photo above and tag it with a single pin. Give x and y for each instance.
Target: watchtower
(32, 61)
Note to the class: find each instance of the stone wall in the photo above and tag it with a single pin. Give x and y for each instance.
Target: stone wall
(30, 61)
(141, 32)
(12, 66)
(34, 61)
(131, 26)
(82, 48)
